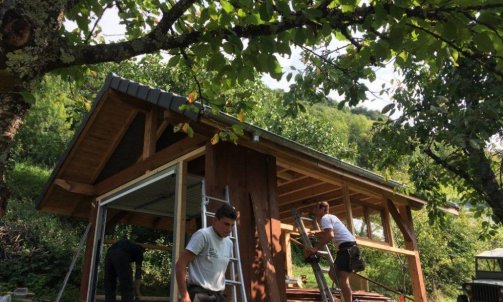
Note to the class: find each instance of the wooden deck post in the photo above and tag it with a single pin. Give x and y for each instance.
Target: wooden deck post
(179, 227)
(287, 247)
(403, 219)
(416, 273)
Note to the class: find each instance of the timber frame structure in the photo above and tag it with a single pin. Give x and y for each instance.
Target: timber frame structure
(127, 165)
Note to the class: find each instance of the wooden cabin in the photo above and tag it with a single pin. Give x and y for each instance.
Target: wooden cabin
(126, 165)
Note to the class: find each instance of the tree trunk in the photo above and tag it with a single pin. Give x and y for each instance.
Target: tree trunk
(487, 181)
(12, 110)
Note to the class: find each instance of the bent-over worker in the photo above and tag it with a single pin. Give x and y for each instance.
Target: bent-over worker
(118, 266)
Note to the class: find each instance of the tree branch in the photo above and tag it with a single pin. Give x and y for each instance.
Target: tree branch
(451, 168)
(169, 17)
(459, 49)
(159, 39)
(96, 23)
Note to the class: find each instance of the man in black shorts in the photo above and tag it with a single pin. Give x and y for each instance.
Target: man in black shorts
(118, 266)
(334, 230)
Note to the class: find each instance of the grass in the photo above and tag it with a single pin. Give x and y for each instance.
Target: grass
(307, 271)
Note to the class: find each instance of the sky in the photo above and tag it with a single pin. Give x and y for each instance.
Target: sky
(112, 30)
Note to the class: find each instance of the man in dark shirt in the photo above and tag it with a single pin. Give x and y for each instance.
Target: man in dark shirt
(117, 266)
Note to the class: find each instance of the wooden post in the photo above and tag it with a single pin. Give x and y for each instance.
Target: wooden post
(150, 133)
(388, 233)
(416, 273)
(86, 265)
(179, 225)
(285, 240)
(349, 212)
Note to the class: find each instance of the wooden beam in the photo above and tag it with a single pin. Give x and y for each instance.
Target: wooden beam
(349, 211)
(367, 204)
(147, 246)
(262, 222)
(305, 193)
(298, 184)
(388, 231)
(338, 176)
(150, 133)
(87, 262)
(416, 273)
(378, 245)
(288, 253)
(113, 144)
(309, 202)
(180, 210)
(161, 129)
(408, 235)
(75, 187)
(366, 219)
(169, 154)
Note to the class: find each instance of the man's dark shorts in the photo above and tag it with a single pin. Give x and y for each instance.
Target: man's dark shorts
(199, 294)
(342, 258)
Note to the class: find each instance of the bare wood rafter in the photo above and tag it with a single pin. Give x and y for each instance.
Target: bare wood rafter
(75, 187)
(113, 144)
(298, 184)
(306, 193)
(330, 196)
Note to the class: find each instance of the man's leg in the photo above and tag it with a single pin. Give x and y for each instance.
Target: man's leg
(343, 278)
(342, 271)
(125, 276)
(110, 281)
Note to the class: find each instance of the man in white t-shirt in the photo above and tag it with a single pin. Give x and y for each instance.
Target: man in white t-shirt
(332, 229)
(207, 255)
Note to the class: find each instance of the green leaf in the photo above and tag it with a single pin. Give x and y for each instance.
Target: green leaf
(275, 69)
(227, 6)
(236, 41)
(228, 48)
(483, 41)
(238, 129)
(28, 97)
(216, 62)
(266, 10)
(387, 108)
(381, 50)
(300, 36)
(174, 61)
(396, 36)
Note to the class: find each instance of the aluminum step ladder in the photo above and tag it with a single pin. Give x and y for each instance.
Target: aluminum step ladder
(325, 292)
(234, 268)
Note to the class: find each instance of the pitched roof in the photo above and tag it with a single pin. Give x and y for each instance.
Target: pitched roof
(110, 140)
